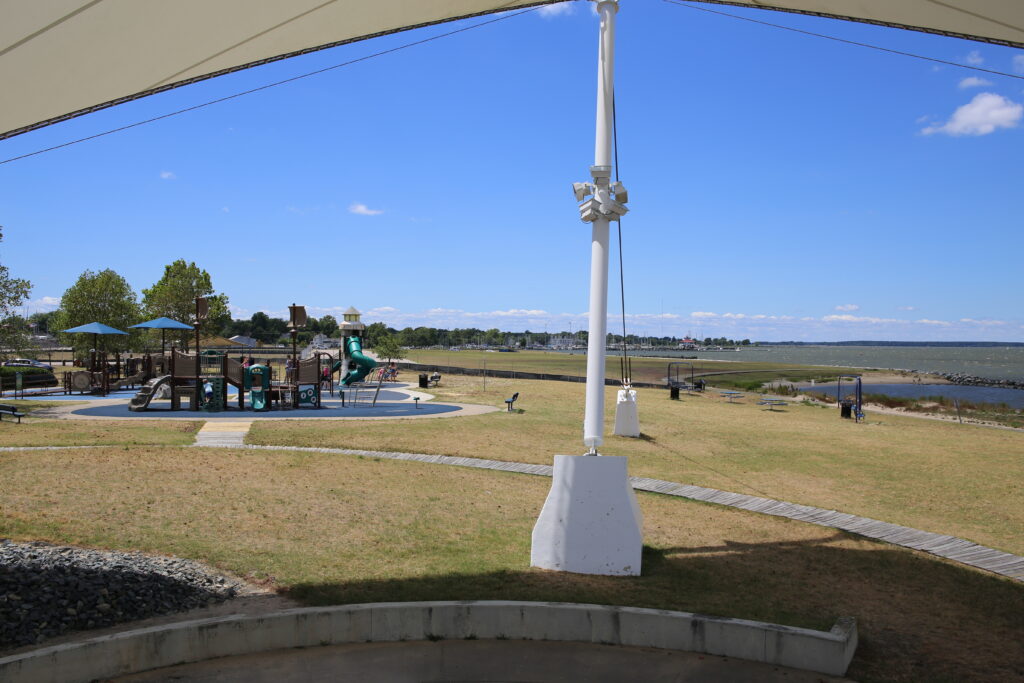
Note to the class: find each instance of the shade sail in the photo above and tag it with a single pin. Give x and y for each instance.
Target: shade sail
(163, 324)
(63, 58)
(95, 328)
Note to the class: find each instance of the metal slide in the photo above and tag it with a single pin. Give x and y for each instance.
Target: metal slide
(364, 364)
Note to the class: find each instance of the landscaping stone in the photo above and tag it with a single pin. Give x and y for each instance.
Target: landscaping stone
(47, 590)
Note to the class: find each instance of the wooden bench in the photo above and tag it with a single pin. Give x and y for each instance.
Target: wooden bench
(510, 401)
(12, 411)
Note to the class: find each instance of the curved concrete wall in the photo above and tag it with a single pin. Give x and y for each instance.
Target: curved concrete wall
(202, 639)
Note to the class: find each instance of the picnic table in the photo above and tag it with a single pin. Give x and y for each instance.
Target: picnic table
(771, 403)
(731, 395)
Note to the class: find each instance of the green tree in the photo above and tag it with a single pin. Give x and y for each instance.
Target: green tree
(103, 297)
(13, 293)
(40, 322)
(329, 326)
(174, 296)
(387, 348)
(374, 332)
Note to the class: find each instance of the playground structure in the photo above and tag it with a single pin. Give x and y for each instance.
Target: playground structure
(850, 409)
(103, 375)
(676, 378)
(203, 379)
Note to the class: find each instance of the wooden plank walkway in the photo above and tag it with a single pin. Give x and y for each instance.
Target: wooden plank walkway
(949, 547)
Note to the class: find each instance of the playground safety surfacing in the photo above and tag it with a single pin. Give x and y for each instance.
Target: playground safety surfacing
(396, 401)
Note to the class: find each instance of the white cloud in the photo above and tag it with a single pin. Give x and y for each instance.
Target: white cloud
(363, 210)
(972, 321)
(557, 10)
(1018, 63)
(225, 209)
(734, 316)
(168, 175)
(973, 82)
(848, 307)
(974, 58)
(926, 321)
(905, 308)
(847, 318)
(981, 116)
(45, 303)
(703, 314)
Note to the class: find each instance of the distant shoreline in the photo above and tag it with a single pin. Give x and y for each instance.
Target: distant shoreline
(964, 344)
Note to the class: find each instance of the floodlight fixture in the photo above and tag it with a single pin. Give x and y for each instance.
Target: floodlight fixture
(582, 190)
(619, 190)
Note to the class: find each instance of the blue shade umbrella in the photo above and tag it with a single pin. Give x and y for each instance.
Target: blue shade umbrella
(164, 324)
(95, 329)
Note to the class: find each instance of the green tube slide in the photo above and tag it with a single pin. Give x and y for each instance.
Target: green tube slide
(363, 363)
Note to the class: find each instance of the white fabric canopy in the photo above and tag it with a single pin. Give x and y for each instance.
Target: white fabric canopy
(63, 58)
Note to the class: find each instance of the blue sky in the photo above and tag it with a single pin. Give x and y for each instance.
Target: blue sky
(781, 186)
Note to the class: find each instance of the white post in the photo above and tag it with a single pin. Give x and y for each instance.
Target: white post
(591, 523)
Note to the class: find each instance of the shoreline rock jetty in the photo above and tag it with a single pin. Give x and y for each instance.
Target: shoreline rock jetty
(47, 590)
(971, 380)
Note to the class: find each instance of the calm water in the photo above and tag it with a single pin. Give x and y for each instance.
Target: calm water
(1012, 397)
(998, 362)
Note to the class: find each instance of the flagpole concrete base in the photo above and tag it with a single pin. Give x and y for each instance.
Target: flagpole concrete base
(627, 419)
(590, 523)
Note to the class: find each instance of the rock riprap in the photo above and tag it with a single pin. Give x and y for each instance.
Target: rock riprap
(47, 590)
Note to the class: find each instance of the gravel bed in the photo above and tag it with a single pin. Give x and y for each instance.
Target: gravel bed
(47, 590)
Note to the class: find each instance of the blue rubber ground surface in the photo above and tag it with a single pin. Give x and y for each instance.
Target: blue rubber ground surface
(332, 408)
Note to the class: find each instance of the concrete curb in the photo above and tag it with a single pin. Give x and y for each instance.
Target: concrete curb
(203, 639)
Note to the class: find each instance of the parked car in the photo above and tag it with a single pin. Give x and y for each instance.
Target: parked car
(27, 362)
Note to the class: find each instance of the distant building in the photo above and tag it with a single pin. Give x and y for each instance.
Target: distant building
(245, 341)
(688, 344)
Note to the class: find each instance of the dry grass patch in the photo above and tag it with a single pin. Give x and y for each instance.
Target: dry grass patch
(948, 478)
(331, 529)
(48, 432)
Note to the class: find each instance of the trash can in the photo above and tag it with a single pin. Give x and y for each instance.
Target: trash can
(673, 393)
(423, 380)
(846, 409)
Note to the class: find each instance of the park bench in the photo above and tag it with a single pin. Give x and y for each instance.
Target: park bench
(771, 403)
(12, 411)
(510, 401)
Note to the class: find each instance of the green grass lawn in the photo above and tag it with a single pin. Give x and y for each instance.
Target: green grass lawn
(947, 478)
(644, 368)
(50, 432)
(342, 529)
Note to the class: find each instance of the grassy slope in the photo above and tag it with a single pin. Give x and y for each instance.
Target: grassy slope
(942, 477)
(343, 529)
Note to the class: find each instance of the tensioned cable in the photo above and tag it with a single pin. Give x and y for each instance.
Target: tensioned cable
(272, 85)
(625, 366)
(678, 3)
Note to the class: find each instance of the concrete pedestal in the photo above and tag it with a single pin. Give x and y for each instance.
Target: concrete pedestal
(590, 523)
(627, 420)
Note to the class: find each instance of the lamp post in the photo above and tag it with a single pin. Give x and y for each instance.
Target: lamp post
(591, 523)
(202, 310)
